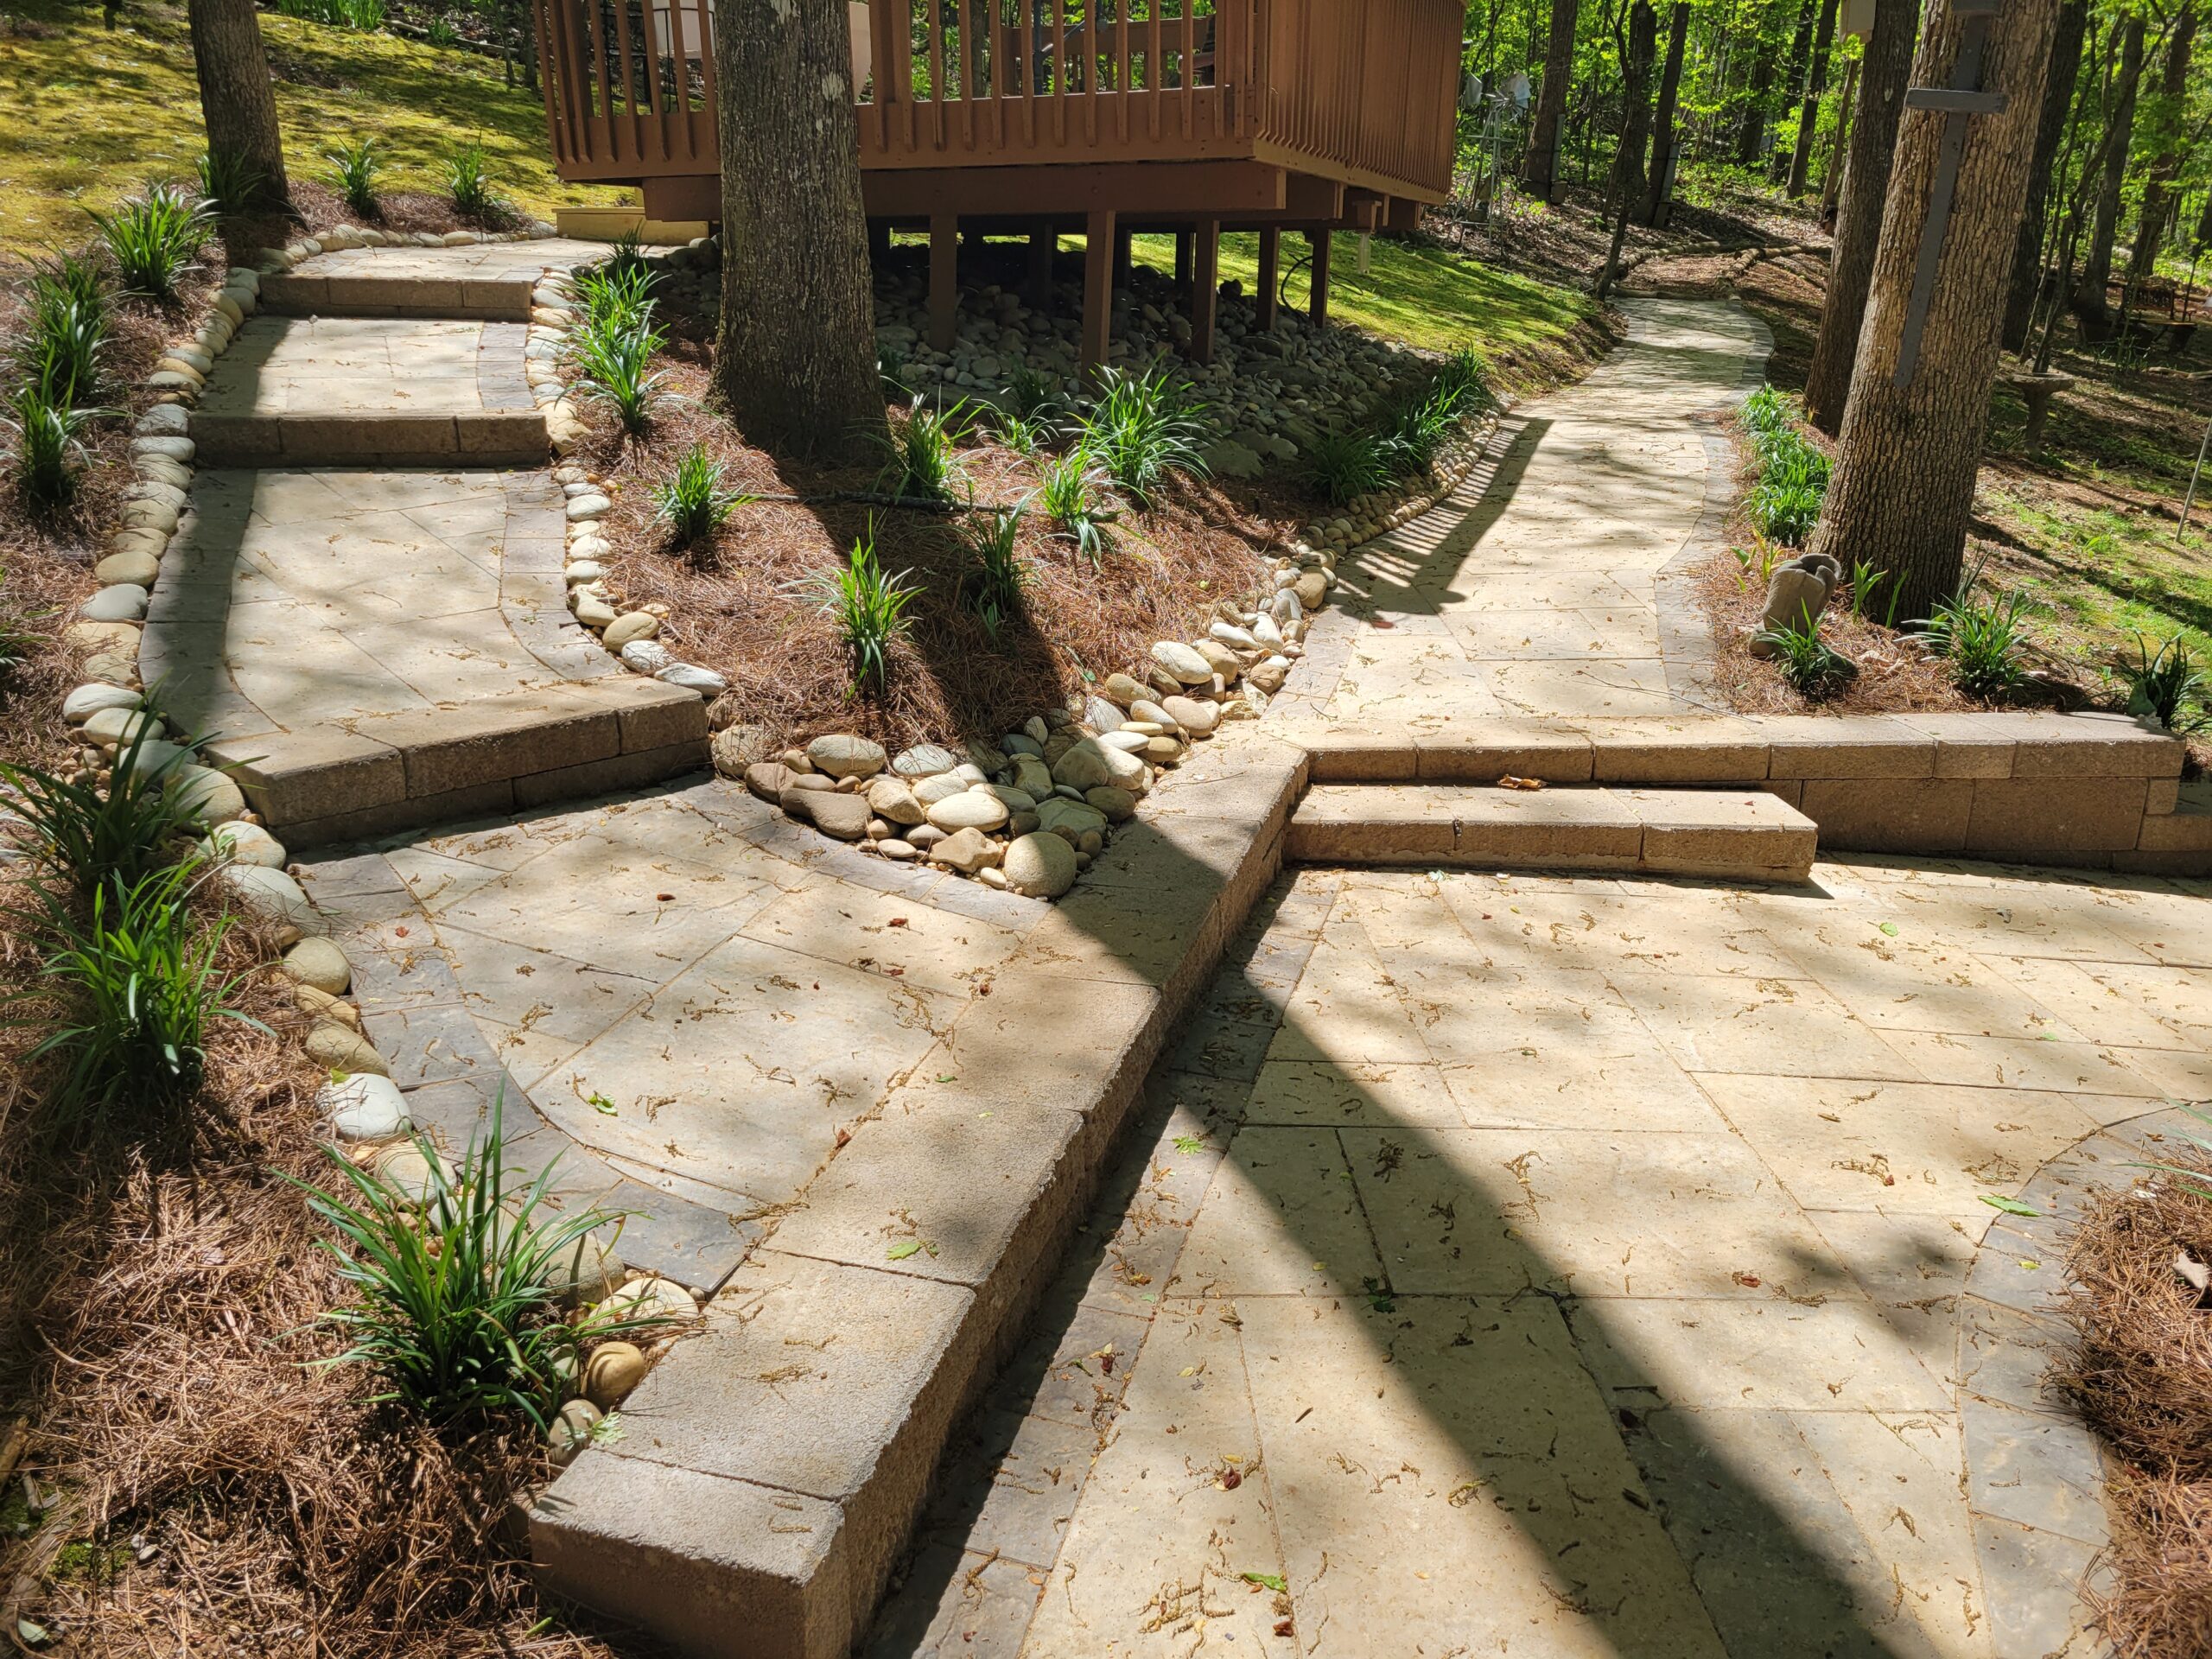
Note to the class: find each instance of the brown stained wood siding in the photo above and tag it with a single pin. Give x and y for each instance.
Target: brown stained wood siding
(1360, 91)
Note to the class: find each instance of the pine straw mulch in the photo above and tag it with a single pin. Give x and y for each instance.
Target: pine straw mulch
(738, 605)
(215, 1489)
(2140, 1370)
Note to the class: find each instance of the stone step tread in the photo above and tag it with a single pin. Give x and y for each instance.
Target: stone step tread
(512, 752)
(1712, 831)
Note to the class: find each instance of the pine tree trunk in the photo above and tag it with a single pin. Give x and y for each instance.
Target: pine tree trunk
(1662, 130)
(1809, 118)
(2089, 301)
(1750, 134)
(1539, 174)
(1882, 75)
(2165, 167)
(1903, 488)
(530, 46)
(795, 363)
(1777, 164)
(236, 98)
(2050, 129)
(1628, 180)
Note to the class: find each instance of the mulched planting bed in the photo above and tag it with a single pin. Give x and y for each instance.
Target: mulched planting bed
(2140, 1371)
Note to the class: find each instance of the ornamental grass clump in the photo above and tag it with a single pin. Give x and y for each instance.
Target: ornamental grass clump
(228, 183)
(921, 454)
(66, 330)
(1984, 641)
(122, 828)
(1791, 476)
(614, 363)
(692, 501)
(468, 173)
(1068, 496)
(137, 976)
(458, 1288)
(867, 608)
(1343, 464)
(155, 237)
(1143, 429)
(354, 169)
(1806, 660)
(2166, 684)
(45, 448)
(993, 576)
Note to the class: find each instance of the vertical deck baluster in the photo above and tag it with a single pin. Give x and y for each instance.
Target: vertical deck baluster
(1059, 72)
(706, 79)
(605, 117)
(965, 11)
(666, 147)
(627, 61)
(1121, 68)
(1028, 72)
(1155, 80)
(1188, 79)
(935, 11)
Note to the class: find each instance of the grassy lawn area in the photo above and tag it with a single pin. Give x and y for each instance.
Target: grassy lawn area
(87, 114)
(1427, 296)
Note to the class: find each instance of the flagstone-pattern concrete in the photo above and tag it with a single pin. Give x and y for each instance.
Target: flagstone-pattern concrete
(1565, 1265)
(1535, 588)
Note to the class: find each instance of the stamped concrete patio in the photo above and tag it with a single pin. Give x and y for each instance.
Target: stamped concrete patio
(1552, 1266)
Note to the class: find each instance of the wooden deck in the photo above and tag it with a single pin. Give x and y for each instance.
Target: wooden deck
(1040, 117)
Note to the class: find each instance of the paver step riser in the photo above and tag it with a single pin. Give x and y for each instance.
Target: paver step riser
(490, 300)
(1724, 834)
(500, 438)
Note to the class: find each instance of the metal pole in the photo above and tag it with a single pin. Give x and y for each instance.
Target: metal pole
(2190, 500)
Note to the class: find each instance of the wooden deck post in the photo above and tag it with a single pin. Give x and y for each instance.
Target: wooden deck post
(1205, 280)
(1317, 302)
(1102, 241)
(1044, 242)
(1270, 255)
(944, 280)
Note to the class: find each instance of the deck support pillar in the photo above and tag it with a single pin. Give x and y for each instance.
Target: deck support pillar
(1102, 243)
(1271, 255)
(1043, 243)
(1317, 302)
(944, 280)
(1205, 282)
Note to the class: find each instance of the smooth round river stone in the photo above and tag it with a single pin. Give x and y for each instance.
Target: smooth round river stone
(211, 797)
(1120, 689)
(843, 755)
(268, 892)
(364, 1107)
(1093, 762)
(1069, 819)
(631, 626)
(943, 787)
(1040, 866)
(970, 809)
(315, 960)
(965, 850)
(1193, 714)
(1117, 804)
(248, 843)
(138, 569)
(891, 799)
(1183, 662)
(923, 761)
(119, 726)
(337, 1048)
(123, 602)
(88, 700)
(829, 811)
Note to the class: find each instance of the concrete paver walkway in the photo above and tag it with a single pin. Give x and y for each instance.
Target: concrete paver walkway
(1565, 1266)
(1534, 588)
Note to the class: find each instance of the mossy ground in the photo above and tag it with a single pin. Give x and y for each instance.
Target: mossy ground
(88, 114)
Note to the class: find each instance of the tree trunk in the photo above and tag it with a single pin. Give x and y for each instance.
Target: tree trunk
(1628, 181)
(795, 363)
(1809, 117)
(1903, 488)
(1750, 134)
(2166, 166)
(2050, 129)
(1540, 174)
(1662, 130)
(236, 100)
(2089, 301)
(1882, 74)
(529, 49)
(1832, 175)
(1800, 44)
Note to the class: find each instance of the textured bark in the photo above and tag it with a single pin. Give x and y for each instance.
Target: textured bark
(1543, 163)
(1882, 74)
(1628, 181)
(2089, 301)
(1903, 488)
(2050, 129)
(1800, 44)
(1663, 128)
(2166, 166)
(236, 98)
(1809, 117)
(1750, 134)
(795, 363)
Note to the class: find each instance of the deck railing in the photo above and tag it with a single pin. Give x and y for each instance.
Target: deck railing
(1362, 89)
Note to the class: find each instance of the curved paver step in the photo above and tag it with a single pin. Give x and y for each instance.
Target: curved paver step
(1737, 835)
(367, 390)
